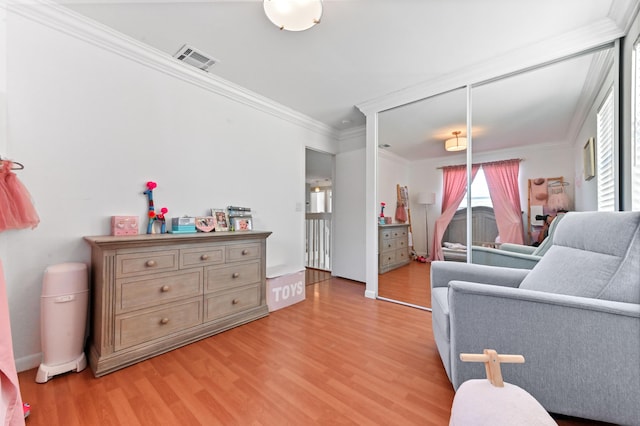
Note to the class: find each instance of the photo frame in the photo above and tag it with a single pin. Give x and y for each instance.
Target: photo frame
(588, 157)
(240, 223)
(205, 223)
(221, 218)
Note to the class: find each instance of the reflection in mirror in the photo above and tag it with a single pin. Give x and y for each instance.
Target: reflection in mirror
(542, 117)
(409, 136)
(540, 120)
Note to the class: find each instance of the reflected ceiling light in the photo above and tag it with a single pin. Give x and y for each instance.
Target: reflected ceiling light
(293, 15)
(457, 143)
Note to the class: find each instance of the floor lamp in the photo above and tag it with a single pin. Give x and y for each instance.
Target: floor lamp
(426, 198)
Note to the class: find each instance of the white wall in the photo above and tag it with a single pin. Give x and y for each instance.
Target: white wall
(92, 126)
(3, 95)
(392, 171)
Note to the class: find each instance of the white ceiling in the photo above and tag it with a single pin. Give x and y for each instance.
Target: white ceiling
(362, 50)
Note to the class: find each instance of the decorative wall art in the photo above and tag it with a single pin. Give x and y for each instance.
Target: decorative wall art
(588, 157)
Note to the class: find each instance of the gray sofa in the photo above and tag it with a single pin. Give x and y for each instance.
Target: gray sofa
(515, 255)
(575, 317)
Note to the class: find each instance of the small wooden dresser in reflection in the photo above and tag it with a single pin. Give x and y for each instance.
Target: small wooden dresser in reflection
(393, 246)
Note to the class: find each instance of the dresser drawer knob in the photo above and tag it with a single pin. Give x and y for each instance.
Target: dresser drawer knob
(235, 301)
(164, 321)
(151, 263)
(165, 288)
(245, 252)
(204, 257)
(235, 275)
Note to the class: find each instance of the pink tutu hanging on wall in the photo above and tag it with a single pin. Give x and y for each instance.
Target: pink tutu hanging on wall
(16, 207)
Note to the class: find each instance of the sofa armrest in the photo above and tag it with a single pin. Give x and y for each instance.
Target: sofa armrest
(517, 248)
(498, 257)
(581, 354)
(443, 272)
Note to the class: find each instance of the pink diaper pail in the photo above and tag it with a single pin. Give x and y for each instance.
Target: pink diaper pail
(63, 316)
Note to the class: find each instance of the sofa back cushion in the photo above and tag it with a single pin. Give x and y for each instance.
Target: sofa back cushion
(594, 254)
(546, 244)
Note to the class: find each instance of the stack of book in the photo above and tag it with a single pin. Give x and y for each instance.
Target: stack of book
(240, 218)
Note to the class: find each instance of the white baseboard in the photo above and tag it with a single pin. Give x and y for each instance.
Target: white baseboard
(28, 362)
(370, 294)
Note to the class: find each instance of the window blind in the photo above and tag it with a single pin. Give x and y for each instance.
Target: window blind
(605, 163)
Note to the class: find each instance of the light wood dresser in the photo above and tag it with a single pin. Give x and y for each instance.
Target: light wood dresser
(154, 293)
(393, 246)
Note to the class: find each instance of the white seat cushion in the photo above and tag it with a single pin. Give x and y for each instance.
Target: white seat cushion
(479, 403)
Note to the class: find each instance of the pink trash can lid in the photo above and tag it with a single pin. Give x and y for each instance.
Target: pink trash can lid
(65, 278)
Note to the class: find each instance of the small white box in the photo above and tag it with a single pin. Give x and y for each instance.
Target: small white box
(285, 290)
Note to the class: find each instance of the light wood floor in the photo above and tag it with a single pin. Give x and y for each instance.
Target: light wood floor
(410, 284)
(335, 358)
(312, 276)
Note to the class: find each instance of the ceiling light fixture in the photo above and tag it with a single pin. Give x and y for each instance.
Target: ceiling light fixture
(293, 15)
(457, 143)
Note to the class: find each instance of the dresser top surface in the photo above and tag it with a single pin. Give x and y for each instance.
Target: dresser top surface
(199, 237)
(393, 225)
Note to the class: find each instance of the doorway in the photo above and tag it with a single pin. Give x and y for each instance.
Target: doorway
(318, 213)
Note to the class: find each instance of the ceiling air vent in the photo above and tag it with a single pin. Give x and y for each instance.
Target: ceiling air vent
(194, 57)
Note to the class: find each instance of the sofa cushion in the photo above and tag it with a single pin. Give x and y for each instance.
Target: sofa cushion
(594, 255)
(544, 246)
(440, 306)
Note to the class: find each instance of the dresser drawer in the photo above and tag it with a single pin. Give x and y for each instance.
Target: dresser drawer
(222, 277)
(146, 262)
(385, 234)
(399, 232)
(243, 252)
(402, 256)
(132, 329)
(204, 256)
(219, 305)
(401, 243)
(388, 245)
(152, 290)
(388, 258)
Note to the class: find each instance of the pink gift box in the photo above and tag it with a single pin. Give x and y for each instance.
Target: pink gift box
(124, 225)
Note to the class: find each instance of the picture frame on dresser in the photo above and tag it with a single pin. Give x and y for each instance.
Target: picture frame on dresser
(222, 220)
(241, 223)
(205, 223)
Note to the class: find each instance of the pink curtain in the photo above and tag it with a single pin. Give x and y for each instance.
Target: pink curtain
(455, 187)
(502, 180)
(10, 401)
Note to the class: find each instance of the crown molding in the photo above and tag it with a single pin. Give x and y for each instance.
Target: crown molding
(383, 153)
(582, 39)
(65, 20)
(354, 132)
(598, 71)
(623, 12)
